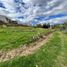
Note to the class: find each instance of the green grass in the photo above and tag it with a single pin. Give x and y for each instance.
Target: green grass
(52, 54)
(13, 37)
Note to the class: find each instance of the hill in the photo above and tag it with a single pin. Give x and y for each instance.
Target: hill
(7, 21)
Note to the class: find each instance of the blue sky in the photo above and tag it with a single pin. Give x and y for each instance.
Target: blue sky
(35, 11)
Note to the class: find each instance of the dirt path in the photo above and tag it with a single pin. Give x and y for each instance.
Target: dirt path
(24, 51)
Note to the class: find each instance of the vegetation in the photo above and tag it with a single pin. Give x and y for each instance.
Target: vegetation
(52, 54)
(46, 26)
(65, 24)
(13, 37)
(63, 27)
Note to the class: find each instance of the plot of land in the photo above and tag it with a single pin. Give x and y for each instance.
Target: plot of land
(13, 37)
(53, 53)
(25, 50)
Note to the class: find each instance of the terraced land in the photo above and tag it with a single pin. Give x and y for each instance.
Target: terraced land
(13, 37)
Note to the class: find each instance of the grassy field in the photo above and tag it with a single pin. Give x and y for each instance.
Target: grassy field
(13, 37)
(53, 54)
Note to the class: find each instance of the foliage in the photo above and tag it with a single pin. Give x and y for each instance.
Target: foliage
(43, 25)
(47, 56)
(13, 37)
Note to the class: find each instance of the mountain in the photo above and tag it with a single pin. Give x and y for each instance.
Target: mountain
(7, 21)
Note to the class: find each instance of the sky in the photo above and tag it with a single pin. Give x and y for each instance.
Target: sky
(35, 11)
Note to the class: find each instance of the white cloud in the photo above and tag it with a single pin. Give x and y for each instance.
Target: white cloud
(30, 9)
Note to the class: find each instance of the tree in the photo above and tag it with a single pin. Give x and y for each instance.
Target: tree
(65, 25)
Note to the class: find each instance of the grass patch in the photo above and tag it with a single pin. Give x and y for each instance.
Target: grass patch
(44, 57)
(13, 37)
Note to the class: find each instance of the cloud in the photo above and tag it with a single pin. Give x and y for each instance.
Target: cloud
(25, 11)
